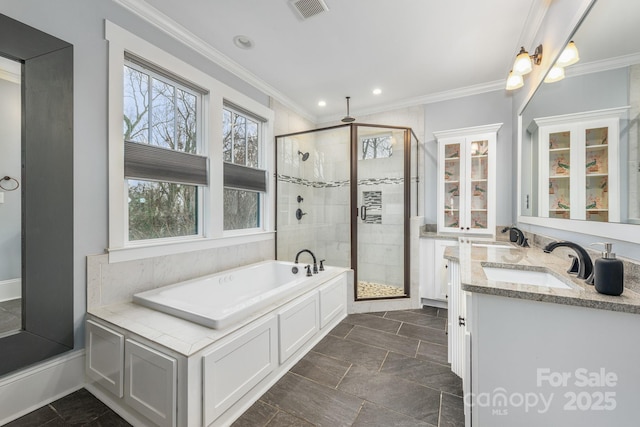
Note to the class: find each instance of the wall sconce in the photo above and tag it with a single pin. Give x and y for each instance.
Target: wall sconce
(569, 56)
(523, 65)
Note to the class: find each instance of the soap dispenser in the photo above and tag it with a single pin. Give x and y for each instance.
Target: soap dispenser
(608, 272)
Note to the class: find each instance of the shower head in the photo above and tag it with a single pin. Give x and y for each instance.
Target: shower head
(305, 156)
(348, 118)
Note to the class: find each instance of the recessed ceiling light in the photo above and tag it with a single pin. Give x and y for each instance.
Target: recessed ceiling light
(377, 91)
(322, 103)
(243, 42)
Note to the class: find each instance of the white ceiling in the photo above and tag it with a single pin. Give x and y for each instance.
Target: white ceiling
(410, 49)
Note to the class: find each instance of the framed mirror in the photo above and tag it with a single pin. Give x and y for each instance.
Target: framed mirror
(579, 148)
(46, 195)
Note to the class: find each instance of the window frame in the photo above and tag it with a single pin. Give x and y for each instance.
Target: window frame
(260, 167)
(213, 235)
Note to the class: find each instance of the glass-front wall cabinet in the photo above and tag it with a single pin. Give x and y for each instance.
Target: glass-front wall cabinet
(466, 180)
(576, 175)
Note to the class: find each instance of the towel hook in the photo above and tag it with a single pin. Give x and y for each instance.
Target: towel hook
(8, 178)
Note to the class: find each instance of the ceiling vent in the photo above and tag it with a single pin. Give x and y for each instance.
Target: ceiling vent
(308, 8)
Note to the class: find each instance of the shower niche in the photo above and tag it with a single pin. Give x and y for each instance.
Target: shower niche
(358, 183)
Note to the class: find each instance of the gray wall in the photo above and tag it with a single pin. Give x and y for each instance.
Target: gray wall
(476, 110)
(81, 23)
(10, 257)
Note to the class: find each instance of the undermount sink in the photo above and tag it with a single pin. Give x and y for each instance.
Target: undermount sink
(525, 277)
(492, 245)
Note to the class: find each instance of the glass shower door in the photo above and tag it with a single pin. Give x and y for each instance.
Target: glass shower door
(379, 199)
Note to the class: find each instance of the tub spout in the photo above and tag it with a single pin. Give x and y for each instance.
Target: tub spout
(315, 263)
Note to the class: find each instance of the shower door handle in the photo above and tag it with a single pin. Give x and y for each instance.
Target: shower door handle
(363, 212)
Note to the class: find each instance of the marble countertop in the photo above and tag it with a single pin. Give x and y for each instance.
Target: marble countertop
(472, 257)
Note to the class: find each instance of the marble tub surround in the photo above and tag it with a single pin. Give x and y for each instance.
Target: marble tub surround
(473, 258)
(182, 336)
(116, 282)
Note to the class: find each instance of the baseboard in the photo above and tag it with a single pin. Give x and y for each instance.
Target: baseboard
(434, 303)
(31, 388)
(10, 289)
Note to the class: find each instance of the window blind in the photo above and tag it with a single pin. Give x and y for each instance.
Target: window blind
(148, 162)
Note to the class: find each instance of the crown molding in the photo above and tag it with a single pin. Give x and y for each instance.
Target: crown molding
(602, 65)
(170, 27)
(10, 77)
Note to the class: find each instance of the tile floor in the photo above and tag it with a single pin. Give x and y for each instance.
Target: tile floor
(377, 369)
(10, 315)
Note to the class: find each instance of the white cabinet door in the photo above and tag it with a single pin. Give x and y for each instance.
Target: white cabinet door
(457, 319)
(150, 383)
(434, 267)
(105, 357)
(333, 299)
(466, 200)
(237, 365)
(297, 323)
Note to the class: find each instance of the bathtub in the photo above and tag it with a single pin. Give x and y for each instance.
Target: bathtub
(222, 299)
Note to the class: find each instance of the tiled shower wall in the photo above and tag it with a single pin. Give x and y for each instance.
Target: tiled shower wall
(323, 183)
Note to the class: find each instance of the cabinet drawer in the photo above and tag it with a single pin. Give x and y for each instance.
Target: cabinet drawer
(297, 324)
(105, 357)
(150, 383)
(236, 366)
(333, 299)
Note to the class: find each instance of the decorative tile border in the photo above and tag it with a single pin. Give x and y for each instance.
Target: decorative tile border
(334, 184)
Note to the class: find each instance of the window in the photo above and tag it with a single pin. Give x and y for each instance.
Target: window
(244, 174)
(376, 147)
(163, 170)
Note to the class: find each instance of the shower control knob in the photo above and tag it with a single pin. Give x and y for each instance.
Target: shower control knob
(299, 199)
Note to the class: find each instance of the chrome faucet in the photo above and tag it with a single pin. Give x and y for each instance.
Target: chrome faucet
(315, 263)
(585, 266)
(516, 235)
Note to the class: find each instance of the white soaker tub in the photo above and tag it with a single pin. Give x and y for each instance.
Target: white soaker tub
(222, 299)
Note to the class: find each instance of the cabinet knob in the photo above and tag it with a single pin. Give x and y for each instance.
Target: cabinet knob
(461, 228)
(461, 321)
(468, 228)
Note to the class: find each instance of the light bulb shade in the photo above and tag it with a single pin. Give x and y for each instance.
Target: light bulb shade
(514, 81)
(569, 55)
(522, 65)
(555, 74)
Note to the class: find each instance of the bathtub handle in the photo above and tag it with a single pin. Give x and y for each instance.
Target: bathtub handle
(309, 274)
(322, 265)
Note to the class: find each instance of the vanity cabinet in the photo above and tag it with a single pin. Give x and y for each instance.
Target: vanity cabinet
(434, 285)
(579, 174)
(467, 180)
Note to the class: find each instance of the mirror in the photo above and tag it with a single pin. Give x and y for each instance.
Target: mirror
(579, 150)
(10, 200)
(46, 193)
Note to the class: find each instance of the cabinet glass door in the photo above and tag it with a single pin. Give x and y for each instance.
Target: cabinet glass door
(597, 173)
(479, 154)
(559, 174)
(452, 183)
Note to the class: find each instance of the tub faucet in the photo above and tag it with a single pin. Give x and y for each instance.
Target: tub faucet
(516, 235)
(315, 263)
(585, 266)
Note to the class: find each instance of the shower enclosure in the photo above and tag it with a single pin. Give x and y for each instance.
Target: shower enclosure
(347, 193)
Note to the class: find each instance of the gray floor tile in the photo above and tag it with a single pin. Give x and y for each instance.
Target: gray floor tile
(283, 419)
(373, 322)
(443, 312)
(434, 352)
(372, 415)
(378, 313)
(110, 419)
(451, 411)
(80, 407)
(423, 372)
(318, 404)
(9, 322)
(423, 333)
(352, 352)
(384, 340)
(258, 415)
(36, 418)
(13, 306)
(431, 311)
(417, 319)
(321, 369)
(341, 330)
(394, 393)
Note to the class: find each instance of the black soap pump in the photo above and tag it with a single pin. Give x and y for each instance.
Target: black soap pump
(608, 272)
